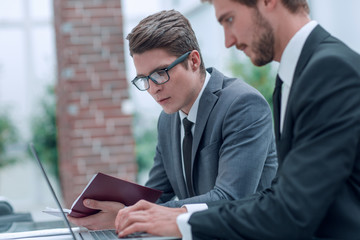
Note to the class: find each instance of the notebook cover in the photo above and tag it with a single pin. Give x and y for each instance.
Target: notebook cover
(103, 187)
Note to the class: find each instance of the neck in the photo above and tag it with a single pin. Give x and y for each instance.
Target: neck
(200, 79)
(286, 29)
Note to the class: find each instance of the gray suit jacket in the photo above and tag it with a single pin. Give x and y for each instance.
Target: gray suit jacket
(233, 146)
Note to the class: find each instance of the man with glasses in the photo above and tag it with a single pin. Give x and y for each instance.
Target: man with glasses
(215, 137)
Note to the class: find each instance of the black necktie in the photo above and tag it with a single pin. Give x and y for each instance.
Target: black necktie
(187, 148)
(277, 105)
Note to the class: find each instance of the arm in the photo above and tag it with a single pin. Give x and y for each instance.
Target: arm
(246, 144)
(158, 178)
(314, 172)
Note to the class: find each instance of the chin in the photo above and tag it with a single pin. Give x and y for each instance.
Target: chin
(259, 62)
(169, 111)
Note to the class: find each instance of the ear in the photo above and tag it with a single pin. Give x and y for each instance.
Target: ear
(194, 60)
(267, 4)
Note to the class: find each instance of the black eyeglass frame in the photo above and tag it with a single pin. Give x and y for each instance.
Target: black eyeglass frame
(173, 64)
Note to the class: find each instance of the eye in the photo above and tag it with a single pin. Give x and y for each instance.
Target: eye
(159, 76)
(229, 20)
(161, 72)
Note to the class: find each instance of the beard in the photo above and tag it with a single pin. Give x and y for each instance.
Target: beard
(263, 45)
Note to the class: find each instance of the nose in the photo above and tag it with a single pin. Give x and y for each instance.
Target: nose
(230, 39)
(154, 88)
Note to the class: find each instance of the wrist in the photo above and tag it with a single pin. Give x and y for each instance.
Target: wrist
(183, 209)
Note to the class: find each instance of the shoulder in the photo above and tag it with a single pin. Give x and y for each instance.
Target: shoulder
(324, 55)
(230, 87)
(328, 54)
(238, 91)
(331, 63)
(332, 51)
(331, 73)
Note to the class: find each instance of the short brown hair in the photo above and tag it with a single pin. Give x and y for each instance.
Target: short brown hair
(168, 30)
(293, 6)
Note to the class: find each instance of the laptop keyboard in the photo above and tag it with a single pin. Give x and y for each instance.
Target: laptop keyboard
(139, 235)
(110, 234)
(107, 234)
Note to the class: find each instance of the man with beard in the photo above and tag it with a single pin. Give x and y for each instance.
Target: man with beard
(316, 193)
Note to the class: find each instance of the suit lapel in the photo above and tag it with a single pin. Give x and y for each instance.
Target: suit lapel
(312, 42)
(206, 104)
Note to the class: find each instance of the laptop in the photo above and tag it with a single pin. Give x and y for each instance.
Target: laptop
(73, 233)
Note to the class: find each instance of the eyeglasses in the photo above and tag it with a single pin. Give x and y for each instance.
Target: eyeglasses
(159, 76)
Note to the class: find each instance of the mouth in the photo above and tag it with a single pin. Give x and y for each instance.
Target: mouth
(163, 100)
(241, 47)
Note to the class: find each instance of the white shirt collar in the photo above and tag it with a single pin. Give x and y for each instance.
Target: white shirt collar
(194, 108)
(292, 53)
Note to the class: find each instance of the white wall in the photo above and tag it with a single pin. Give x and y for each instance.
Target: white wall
(340, 18)
(27, 59)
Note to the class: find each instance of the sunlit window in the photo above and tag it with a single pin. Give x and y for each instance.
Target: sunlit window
(27, 67)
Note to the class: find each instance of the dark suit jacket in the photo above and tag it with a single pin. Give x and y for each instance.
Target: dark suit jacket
(233, 146)
(317, 190)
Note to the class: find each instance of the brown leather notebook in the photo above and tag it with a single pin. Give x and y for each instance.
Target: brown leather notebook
(103, 187)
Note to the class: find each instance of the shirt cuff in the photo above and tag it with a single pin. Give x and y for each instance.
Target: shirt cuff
(191, 208)
(184, 227)
(182, 219)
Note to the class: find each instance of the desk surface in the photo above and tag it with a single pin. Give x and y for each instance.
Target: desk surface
(30, 226)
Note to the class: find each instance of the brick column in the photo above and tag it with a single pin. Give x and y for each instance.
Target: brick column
(94, 132)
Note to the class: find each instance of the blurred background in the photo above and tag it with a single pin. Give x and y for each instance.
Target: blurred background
(65, 75)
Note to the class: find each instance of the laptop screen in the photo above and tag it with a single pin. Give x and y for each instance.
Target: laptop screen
(61, 229)
(12, 221)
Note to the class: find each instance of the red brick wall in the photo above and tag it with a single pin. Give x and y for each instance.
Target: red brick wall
(95, 134)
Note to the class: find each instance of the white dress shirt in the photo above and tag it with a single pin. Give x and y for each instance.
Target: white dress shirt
(286, 72)
(191, 117)
(288, 64)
